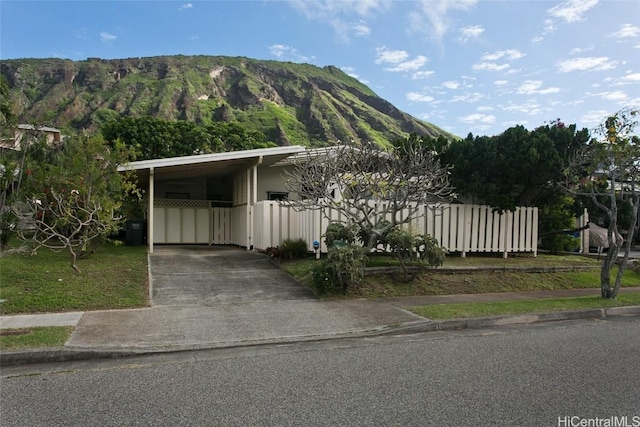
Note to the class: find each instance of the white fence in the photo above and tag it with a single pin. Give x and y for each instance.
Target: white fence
(459, 228)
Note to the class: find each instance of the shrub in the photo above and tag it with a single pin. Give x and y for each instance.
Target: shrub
(342, 270)
(293, 249)
(338, 231)
(421, 249)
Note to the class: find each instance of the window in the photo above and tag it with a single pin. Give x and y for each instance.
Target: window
(277, 195)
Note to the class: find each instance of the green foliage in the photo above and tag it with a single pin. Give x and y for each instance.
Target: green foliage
(338, 231)
(421, 250)
(158, 138)
(293, 249)
(556, 216)
(516, 168)
(72, 192)
(341, 271)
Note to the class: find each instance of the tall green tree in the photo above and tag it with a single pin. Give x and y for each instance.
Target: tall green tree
(72, 194)
(516, 168)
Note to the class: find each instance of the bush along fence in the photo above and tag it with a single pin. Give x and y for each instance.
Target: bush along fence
(458, 228)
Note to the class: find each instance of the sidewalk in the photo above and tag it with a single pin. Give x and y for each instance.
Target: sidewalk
(121, 333)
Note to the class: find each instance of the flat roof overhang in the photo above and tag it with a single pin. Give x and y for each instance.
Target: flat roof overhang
(216, 164)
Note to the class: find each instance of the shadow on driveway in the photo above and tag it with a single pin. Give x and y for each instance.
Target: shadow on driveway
(208, 275)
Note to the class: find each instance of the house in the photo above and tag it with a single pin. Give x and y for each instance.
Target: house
(51, 135)
(234, 198)
(209, 198)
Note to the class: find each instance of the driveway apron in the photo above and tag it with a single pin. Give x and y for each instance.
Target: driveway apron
(209, 297)
(207, 275)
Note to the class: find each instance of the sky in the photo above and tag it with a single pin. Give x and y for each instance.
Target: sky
(467, 66)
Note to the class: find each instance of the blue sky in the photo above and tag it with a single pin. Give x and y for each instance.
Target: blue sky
(464, 65)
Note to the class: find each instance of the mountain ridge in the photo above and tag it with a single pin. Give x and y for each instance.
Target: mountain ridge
(290, 103)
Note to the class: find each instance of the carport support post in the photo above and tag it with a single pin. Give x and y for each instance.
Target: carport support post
(150, 213)
(252, 198)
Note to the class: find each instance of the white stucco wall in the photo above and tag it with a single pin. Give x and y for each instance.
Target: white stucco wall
(270, 179)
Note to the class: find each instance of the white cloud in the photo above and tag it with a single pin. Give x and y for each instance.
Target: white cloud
(186, 6)
(478, 118)
(284, 52)
(577, 50)
(530, 107)
(572, 10)
(399, 59)
(451, 84)
(490, 66)
(470, 32)
(360, 29)
(500, 82)
(106, 37)
(635, 77)
(531, 87)
(484, 109)
(468, 97)
(434, 15)
(422, 74)
(586, 64)
(419, 97)
(626, 31)
(613, 96)
(509, 55)
(594, 117)
(338, 13)
(384, 55)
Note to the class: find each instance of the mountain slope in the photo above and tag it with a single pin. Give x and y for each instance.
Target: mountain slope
(290, 103)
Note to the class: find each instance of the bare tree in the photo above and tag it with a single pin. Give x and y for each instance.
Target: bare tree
(372, 188)
(607, 171)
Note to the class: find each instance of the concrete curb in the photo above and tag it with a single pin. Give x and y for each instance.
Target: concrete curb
(64, 354)
(520, 319)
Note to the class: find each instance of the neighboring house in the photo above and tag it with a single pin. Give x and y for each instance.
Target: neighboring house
(51, 135)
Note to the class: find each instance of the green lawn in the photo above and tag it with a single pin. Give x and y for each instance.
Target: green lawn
(114, 277)
(479, 309)
(50, 336)
(434, 282)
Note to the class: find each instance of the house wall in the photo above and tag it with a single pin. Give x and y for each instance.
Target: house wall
(270, 179)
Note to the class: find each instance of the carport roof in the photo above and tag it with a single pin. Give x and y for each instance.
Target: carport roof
(210, 164)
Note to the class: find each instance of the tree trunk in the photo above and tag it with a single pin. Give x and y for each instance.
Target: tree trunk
(627, 247)
(74, 258)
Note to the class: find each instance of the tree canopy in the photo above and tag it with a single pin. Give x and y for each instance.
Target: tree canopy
(71, 194)
(153, 138)
(516, 168)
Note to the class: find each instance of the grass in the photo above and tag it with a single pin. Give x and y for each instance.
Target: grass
(480, 309)
(50, 336)
(112, 278)
(434, 282)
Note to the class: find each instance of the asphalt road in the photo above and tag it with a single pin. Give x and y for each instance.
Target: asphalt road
(554, 374)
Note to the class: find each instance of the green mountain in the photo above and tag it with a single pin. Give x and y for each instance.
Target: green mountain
(290, 103)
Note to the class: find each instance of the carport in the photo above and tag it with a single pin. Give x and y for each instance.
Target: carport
(208, 198)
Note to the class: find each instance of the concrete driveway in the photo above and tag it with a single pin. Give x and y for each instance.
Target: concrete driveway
(208, 275)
